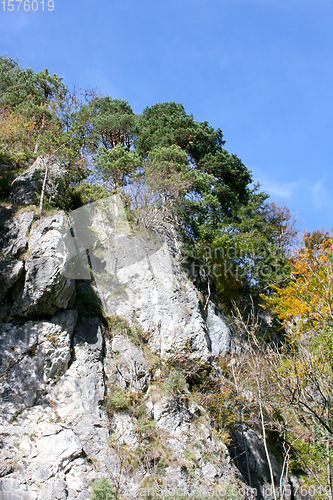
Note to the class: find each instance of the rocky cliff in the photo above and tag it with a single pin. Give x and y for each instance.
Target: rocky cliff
(89, 385)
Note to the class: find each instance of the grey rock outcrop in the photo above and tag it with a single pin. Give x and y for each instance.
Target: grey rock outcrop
(195, 458)
(32, 355)
(139, 277)
(51, 415)
(13, 233)
(27, 186)
(45, 289)
(219, 331)
(79, 394)
(154, 292)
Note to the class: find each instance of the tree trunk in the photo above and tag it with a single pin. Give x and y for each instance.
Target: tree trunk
(43, 189)
(42, 129)
(328, 460)
(265, 441)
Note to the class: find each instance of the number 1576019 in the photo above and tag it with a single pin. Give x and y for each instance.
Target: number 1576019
(27, 5)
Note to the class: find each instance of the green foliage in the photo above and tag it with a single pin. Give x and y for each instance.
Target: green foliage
(118, 399)
(31, 122)
(239, 258)
(27, 92)
(124, 400)
(168, 173)
(102, 490)
(115, 165)
(81, 194)
(176, 383)
(110, 122)
(147, 430)
(9, 69)
(31, 95)
(230, 181)
(219, 181)
(166, 124)
(116, 324)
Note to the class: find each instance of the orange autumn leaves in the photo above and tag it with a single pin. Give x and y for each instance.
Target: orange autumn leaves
(306, 303)
(17, 135)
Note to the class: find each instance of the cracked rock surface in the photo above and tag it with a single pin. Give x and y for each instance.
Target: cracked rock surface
(60, 362)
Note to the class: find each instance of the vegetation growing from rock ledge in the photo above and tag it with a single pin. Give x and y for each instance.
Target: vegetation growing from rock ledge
(102, 489)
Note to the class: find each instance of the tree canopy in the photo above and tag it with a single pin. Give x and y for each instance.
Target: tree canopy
(110, 122)
(181, 164)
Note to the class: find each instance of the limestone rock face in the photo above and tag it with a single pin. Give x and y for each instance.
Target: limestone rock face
(52, 417)
(79, 394)
(190, 439)
(45, 289)
(139, 278)
(10, 272)
(26, 185)
(126, 365)
(219, 332)
(59, 365)
(32, 354)
(13, 232)
(154, 292)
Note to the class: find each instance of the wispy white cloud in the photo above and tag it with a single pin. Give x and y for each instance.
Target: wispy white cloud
(281, 189)
(320, 196)
(305, 197)
(277, 188)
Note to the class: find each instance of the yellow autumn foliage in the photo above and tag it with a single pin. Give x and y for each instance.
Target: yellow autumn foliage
(306, 303)
(17, 134)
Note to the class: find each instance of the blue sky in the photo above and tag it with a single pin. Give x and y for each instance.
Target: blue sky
(262, 70)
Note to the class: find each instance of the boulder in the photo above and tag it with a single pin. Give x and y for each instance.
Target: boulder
(45, 290)
(13, 232)
(27, 186)
(32, 354)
